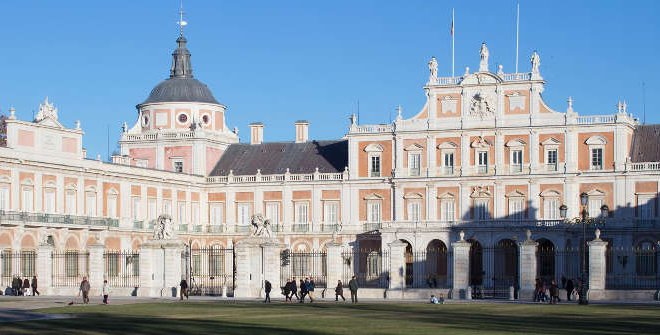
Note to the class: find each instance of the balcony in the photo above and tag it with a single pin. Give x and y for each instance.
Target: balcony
(300, 227)
(11, 217)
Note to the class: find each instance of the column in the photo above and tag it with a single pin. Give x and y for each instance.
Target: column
(465, 154)
(461, 269)
(534, 200)
(534, 151)
(397, 266)
(527, 267)
(432, 201)
(44, 268)
(500, 200)
(146, 271)
(430, 157)
(398, 156)
(243, 254)
(287, 208)
(571, 147)
(229, 267)
(334, 264)
(271, 265)
(499, 153)
(464, 202)
(597, 267)
(96, 267)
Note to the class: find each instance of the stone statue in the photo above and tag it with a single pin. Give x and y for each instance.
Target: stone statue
(433, 69)
(260, 226)
(483, 64)
(461, 236)
(536, 62)
(163, 228)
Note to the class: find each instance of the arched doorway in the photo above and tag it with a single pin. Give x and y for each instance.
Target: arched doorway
(436, 264)
(476, 265)
(409, 257)
(506, 266)
(546, 260)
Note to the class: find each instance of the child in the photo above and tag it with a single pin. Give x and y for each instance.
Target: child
(106, 291)
(434, 299)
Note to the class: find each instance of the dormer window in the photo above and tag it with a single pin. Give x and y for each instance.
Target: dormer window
(596, 150)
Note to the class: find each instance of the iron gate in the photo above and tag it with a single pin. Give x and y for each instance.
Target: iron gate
(209, 270)
(301, 265)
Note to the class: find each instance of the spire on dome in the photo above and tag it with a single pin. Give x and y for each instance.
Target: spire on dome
(181, 66)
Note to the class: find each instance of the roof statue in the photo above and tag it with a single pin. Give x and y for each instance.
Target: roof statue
(483, 64)
(163, 228)
(536, 62)
(433, 69)
(46, 110)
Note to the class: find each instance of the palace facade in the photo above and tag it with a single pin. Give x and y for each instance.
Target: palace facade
(486, 159)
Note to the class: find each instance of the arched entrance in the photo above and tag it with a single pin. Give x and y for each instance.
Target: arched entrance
(545, 260)
(476, 265)
(409, 257)
(506, 267)
(436, 264)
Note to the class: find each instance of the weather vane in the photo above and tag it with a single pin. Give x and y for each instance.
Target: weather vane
(181, 22)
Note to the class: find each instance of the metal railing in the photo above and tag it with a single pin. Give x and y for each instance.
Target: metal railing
(28, 217)
(302, 265)
(69, 267)
(122, 268)
(370, 267)
(17, 264)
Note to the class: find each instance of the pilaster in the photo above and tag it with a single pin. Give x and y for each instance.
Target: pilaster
(397, 266)
(334, 263)
(45, 268)
(597, 264)
(527, 267)
(96, 267)
(461, 269)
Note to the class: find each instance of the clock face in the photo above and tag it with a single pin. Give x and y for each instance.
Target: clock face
(183, 118)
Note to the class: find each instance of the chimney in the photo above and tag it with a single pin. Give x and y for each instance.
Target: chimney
(302, 128)
(256, 133)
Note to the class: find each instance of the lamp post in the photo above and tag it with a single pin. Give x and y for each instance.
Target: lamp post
(584, 200)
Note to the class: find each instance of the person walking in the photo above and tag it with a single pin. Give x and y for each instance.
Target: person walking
(286, 290)
(16, 286)
(353, 286)
(303, 289)
(294, 289)
(267, 288)
(26, 287)
(339, 291)
(310, 289)
(184, 288)
(554, 292)
(34, 286)
(84, 289)
(106, 291)
(569, 289)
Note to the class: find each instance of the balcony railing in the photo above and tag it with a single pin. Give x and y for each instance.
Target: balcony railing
(643, 166)
(285, 177)
(300, 227)
(26, 217)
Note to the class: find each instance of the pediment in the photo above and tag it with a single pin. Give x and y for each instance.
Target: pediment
(515, 194)
(413, 195)
(447, 145)
(480, 143)
(596, 140)
(515, 143)
(50, 122)
(481, 78)
(373, 196)
(374, 147)
(596, 193)
(414, 147)
(550, 194)
(550, 141)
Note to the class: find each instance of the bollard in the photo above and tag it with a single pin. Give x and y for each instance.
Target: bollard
(224, 292)
(512, 293)
(468, 293)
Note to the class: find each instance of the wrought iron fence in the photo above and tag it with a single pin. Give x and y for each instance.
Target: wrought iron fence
(494, 270)
(561, 265)
(122, 268)
(210, 269)
(17, 264)
(428, 268)
(633, 268)
(370, 267)
(308, 264)
(69, 267)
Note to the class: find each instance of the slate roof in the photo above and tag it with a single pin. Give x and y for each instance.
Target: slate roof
(276, 157)
(645, 145)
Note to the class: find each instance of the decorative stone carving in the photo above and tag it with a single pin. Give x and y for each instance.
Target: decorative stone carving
(46, 110)
(163, 228)
(536, 62)
(482, 106)
(480, 192)
(483, 53)
(260, 226)
(433, 69)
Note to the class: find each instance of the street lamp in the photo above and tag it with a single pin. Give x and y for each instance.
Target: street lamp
(584, 200)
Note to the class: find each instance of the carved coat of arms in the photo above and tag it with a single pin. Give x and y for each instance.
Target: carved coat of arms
(482, 106)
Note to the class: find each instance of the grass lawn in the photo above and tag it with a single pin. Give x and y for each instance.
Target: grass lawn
(328, 318)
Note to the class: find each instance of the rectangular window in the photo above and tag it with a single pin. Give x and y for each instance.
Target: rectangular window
(301, 212)
(374, 166)
(181, 213)
(414, 211)
(481, 209)
(551, 159)
(112, 205)
(516, 161)
(597, 159)
(135, 212)
(331, 212)
(4, 198)
(273, 212)
(90, 202)
(178, 166)
(194, 208)
(516, 208)
(414, 164)
(70, 202)
(594, 207)
(243, 213)
(151, 209)
(49, 201)
(217, 213)
(373, 211)
(28, 200)
(551, 208)
(447, 209)
(448, 163)
(482, 161)
(167, 207)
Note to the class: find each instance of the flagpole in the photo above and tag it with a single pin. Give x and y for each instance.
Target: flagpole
(517, 31)
(452, 42)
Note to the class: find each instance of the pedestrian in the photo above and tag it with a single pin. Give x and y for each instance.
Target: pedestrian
(537, 290)
(353, 286)
(84, 289)
(26, 286)
(310, 289)
(339, 291)
(106, 291)
(16, 286)
(286, 290)
(294, 289)
(569, 289)
(434, 299)
(554, 292)
(267, 288)
(34, 286)
(563, 281)
(303, 290)
(184, 289)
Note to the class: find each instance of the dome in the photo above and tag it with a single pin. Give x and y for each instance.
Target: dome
(177, 89)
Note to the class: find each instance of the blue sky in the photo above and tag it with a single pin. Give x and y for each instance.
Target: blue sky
(280, 61)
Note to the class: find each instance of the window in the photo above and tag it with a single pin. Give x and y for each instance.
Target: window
(194, 208)
(331, 212)
(481, 209)
(90, 203)
(151, 209)
(243, 210)
(414, 163)
(4, 198)
(178, 166)
(181, 212)
(49, 200)
(414, 210)
(447, 209)
(448, 163)
(594, 206)
(516, 208)
(516, 160)
(551, 208)
(597, 159)
(167, 207)
(70, 202)
(374, 166)
(373, 211)
(646, 206)
(482, 161)
(135, 208)
(112, 205)
(301, 212)
(273, 212)
(551, 159)
(143, 163)
(217, 215)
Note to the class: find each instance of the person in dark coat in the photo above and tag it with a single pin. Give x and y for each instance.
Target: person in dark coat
(294, 289)
(84, 289)
(26, 286)
(267, 288)
(303, 291)
(339, 291)
(34, 286)
(569, 289)
(353, 286)
(184, 288)
(554, 292)
(310, 289)
(286, 290)
(16, 286)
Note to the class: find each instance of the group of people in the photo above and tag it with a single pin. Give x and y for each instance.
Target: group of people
(23, 287)
(86, 287)
(550, 293)
(306, 288)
